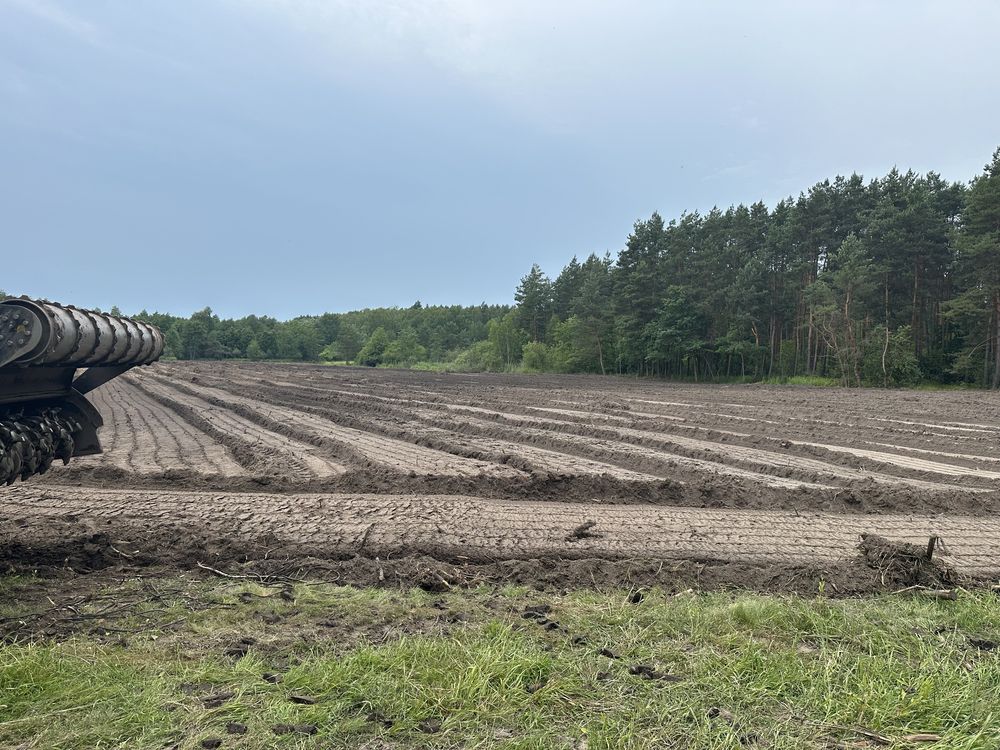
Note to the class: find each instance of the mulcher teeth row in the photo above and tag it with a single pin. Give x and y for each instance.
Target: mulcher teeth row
(30, 442)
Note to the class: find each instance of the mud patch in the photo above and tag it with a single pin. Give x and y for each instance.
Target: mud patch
(463, 540)
(360, 430)
(901, 565)
(848, 578)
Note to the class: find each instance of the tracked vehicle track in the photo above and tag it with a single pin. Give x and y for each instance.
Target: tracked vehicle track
(375, 448)
(697, 444)
(273, 450)
(142, 436)
(456, 527)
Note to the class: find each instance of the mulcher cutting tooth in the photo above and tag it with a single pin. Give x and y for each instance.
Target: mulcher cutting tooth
(15, 462)
(6, 459)
(29, 454)
(64, 440)
(45, 426)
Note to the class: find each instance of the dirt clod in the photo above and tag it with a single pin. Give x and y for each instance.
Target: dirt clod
(235, 727)
(211, 743)
(302, 700)
(295, 729)
(720, 713)
(429, 726)
(983, 644)
(216, 700)
(376, 717)
(648, 673)
(901, 564)
(583, 531)
(435, 581)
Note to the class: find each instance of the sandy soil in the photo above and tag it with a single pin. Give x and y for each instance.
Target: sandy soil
(237, 462)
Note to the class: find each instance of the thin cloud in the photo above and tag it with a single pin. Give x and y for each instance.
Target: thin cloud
(55, 15)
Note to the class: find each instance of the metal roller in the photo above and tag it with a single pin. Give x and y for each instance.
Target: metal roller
(98, 347)
(34, 333)
(44, 414)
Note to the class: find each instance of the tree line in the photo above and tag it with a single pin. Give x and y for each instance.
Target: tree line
(885, 282)
(399, 337)
(890, 282)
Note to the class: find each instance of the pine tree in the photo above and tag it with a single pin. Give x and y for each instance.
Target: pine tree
(566, 289)
(638, 287)
(979, 262)
(534, 303)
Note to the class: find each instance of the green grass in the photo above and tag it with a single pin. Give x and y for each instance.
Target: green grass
(755, 671)
(813, 380)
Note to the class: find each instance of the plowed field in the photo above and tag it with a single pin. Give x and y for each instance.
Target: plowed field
(546, 477)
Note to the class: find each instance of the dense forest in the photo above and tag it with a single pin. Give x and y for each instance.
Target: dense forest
(889, 282)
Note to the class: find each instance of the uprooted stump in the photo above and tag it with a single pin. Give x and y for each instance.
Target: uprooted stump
(902, 564)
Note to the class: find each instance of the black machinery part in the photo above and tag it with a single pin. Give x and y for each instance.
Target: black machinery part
(44, 414)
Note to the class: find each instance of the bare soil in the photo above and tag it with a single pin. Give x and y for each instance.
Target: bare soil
(377, 475)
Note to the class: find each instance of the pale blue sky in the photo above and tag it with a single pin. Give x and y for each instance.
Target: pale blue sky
(289, 157)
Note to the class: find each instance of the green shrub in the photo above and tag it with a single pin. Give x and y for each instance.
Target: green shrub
(901, 366)
(536, 357)
(372, 352)
(480, 357)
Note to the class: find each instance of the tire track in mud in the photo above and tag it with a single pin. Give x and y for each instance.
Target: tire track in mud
(890, 462)
(145, 438)
(624, 447)
(969, 457)
(559, 454)
(812, 465)
(261, 450)
(449, 528)
(659, 463)
(861, 422)
(365, 446)
(681, 449)
(553, 459)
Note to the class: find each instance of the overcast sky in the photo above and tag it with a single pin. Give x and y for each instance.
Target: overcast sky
(291, 157)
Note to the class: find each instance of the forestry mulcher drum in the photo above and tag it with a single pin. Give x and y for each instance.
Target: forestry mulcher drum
(44, 414)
